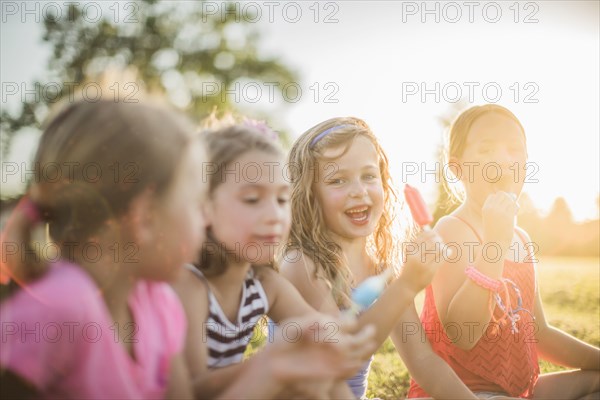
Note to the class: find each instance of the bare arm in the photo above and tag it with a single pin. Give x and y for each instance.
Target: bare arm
(284, 363)
(387, 310)
(318, 294)
(429, 370)
(284, 299)
(287, 303)
(300, 271)
(458, 299)
(194, 298)
(254, 380)
(341, 390)
(180, 385)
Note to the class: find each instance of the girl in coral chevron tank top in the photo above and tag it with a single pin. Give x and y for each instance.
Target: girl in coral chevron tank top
(513, 354)
(483, 312)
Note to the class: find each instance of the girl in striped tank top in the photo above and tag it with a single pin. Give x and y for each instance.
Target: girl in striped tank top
(234, 284)
(483, 312)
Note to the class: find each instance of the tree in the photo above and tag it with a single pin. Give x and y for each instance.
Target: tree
(560, 215)
(179, 50)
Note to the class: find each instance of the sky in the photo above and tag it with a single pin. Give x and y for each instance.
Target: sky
(400, 66)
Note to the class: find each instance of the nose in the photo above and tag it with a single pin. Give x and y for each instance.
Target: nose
(275, 212)
(358, 189)
(504, 158)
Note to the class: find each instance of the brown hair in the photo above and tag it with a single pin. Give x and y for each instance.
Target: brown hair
(92, 160)
(459, 132)
(226, 143)
(309, 233)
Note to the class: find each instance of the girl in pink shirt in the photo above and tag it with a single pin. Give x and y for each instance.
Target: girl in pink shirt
(114, 183)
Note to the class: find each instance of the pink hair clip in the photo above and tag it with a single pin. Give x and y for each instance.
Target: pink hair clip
(262, 127)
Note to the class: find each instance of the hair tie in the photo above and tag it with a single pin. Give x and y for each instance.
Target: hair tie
(30, 209)
(325, 133)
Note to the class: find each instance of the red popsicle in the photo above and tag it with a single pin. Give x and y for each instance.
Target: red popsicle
(418, 208)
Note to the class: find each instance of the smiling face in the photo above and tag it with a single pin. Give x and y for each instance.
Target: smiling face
(349, 189)
(495, 145)
(249, 213)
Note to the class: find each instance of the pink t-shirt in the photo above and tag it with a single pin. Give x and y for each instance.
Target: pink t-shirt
(57, 334)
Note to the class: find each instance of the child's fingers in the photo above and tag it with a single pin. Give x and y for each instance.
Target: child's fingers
(431, 240)
(358, 348)
(345, 347)
(364, 341)
(499, 207)
(348, 323)
(501, 200)
(425, 235)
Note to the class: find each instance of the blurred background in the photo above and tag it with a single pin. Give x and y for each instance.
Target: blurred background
(406, 68)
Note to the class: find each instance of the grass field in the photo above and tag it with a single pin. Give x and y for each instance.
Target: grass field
(570, 289)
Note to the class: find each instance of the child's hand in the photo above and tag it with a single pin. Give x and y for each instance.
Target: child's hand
(319, 348)
(498, 214)
(423, 259)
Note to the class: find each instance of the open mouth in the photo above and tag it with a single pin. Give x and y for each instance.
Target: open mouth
(358, 215)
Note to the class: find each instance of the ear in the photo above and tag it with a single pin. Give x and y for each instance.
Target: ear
(141, 216)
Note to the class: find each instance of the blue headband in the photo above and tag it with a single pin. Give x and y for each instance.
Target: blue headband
(325, 133)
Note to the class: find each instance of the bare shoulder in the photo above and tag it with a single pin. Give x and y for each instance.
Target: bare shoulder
(297, 267)
(192, 292)
(300, 270)
(264, 272)
(460, 242)
(267, 276)
(452, 229)
(188, 283)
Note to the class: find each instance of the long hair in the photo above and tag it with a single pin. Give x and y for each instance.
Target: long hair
(309, 234)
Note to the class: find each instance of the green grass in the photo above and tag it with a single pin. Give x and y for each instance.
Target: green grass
(570, 289)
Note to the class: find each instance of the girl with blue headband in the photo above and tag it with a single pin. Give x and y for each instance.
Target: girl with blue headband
(342, 217)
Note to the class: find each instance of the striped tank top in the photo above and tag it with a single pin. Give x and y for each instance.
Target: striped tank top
(226, 340)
